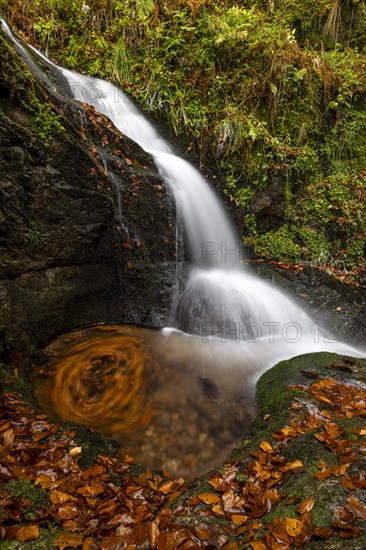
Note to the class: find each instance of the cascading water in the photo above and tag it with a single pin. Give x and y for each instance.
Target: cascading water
(222, 298)
(232, 324)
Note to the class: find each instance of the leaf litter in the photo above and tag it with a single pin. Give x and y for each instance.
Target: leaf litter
(109, 506)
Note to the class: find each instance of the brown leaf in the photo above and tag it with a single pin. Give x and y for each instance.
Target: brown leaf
(231, 501)
(67, 511)
(202, 533)
(356, 507)
(139, 533)
(349, 531)
(43, 480)
(107, 508)
(153, 533)
(28, 533)
(113, 542)
(306, 506)
(322, 533)
(89, 544)
(93, 471)
(8, 436)
(342, 514)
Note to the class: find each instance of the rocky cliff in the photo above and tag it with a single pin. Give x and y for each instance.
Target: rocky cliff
(87, 231)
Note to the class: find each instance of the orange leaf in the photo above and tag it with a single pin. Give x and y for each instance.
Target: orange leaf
(43, 480)
(153, 533)
(217, 510)
(93, 471)
(208, 498)
(59, 497)
(216, 483)
(257, 545)
(65, 541)
(171, 486)
(28, 533)
(239, 519)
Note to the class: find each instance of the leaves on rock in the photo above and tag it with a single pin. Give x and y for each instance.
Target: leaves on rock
(106, 506)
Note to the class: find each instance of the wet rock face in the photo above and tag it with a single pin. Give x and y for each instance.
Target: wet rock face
(86, 227)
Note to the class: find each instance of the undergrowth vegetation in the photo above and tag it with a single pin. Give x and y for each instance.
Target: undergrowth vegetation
(274, 93)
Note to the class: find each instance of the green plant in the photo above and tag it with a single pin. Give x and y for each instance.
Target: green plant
(255, 88)
(36, 236)
(279, 245)
(26, 490)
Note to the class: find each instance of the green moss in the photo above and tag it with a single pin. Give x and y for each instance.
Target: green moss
(26, 490)
(43, 117)
(23, 85)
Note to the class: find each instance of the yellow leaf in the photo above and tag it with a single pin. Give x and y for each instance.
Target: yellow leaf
(265, 446)
(293, 526)
(75, 451)
(292, 465)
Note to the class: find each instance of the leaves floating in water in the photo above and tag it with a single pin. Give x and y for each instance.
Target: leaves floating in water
(100, 383)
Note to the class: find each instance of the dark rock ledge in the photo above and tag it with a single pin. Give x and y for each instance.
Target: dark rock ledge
(87, 230)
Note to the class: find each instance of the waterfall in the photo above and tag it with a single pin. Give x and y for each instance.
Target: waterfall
(208, 228)
(223, 299)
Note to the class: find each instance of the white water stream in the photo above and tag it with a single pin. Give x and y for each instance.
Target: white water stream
(245, 325)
